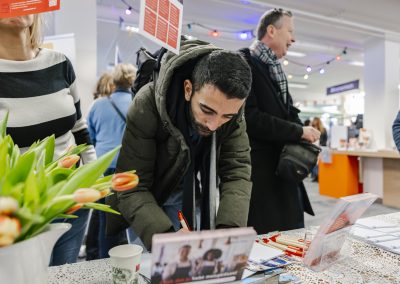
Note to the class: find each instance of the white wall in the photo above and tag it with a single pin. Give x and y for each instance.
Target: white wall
(79, 17)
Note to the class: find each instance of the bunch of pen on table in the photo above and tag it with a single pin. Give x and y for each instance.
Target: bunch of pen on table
(289, 245)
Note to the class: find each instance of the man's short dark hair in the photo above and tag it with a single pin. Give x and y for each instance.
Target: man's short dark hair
(226, 70)
(271, 17)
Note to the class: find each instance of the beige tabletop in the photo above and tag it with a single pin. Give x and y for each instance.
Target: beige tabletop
(369, 153)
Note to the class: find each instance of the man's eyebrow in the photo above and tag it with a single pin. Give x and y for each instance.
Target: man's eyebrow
(213, 111)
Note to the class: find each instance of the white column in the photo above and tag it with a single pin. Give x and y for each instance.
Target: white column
(381, 81)
(79, 17)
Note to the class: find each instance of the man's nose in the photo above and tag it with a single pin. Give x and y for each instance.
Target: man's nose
(213, 124)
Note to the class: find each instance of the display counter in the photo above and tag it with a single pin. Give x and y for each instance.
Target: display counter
(350, 172)
(363, 263)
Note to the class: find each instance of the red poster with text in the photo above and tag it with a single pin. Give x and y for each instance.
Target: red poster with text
(14, 8)
(161, 22)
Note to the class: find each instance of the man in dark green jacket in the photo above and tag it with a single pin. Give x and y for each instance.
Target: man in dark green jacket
(181, 134)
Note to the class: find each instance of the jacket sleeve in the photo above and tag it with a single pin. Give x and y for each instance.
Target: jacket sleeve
(138, 206)
(263, 126)
(396, 131)
(234, 169)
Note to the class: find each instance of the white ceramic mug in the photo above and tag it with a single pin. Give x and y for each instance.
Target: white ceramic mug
(125, 263)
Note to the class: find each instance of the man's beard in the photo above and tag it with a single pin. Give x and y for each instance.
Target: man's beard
(201, 129)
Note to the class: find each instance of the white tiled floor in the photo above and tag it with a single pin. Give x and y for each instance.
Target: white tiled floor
(322, 205)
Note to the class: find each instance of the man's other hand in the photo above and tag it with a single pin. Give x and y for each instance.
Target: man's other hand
(310, 134)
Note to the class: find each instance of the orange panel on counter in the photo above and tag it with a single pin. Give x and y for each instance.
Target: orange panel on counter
(340, 178)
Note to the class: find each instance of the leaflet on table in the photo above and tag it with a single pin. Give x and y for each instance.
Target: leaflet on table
(212, 256)
(259, 256)
(379, 233)
(325, 248)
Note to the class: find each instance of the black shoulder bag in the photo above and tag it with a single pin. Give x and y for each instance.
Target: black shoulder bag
(297, 160)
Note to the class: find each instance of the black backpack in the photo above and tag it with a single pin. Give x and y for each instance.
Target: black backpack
(148, 67)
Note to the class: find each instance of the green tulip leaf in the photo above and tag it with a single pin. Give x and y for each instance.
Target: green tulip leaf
(102, 207)
(31, 192)
(67, 216)
(3, 126)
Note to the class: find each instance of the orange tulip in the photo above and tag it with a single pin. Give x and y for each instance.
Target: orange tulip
(105, 192)
(8, 205)
(124, 181)
(68, 161)
(10, 228)
(86, 195)
(74, 208)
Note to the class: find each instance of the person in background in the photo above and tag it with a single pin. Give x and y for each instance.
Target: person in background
(209, 263)
(106, 120)
(273, 121)
(172, 125)
(181, 270)
(38, 87)
(307, 122)
(104, 87)
(317, 124)
(396, 131)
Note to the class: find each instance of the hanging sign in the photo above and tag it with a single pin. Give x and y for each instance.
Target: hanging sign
(161, 22)
(14, 8)
(343, 87)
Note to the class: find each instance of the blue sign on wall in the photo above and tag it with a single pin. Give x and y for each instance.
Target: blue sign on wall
(343, 87)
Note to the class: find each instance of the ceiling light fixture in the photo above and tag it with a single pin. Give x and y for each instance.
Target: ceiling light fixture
(295, 54)
(132, 29)
(356, 63)
(297, 85)
(243, 35)
(215, 33)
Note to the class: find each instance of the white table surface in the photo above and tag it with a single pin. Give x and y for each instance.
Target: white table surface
(365, 263)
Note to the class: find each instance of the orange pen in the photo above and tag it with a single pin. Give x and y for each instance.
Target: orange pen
(183, 221)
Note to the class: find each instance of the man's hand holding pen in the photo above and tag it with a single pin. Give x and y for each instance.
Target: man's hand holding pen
(184, 224)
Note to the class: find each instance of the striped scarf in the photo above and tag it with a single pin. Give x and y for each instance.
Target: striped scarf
(267, 56)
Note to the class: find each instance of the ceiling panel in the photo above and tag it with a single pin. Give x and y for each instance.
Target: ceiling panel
(322, 30)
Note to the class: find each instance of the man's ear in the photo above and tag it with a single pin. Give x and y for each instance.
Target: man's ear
(187, 88)
(271, 31)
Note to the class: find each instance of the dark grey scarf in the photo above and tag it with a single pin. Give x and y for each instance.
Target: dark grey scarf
(267, 56)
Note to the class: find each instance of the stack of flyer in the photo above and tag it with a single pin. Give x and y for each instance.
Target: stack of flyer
(202, 257)
(379, 233)
(327, 243)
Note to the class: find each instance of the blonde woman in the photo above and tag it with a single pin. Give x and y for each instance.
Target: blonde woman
(106, 121)
(38, 87)
(105, 86)
(317, 124)
(106, 118)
